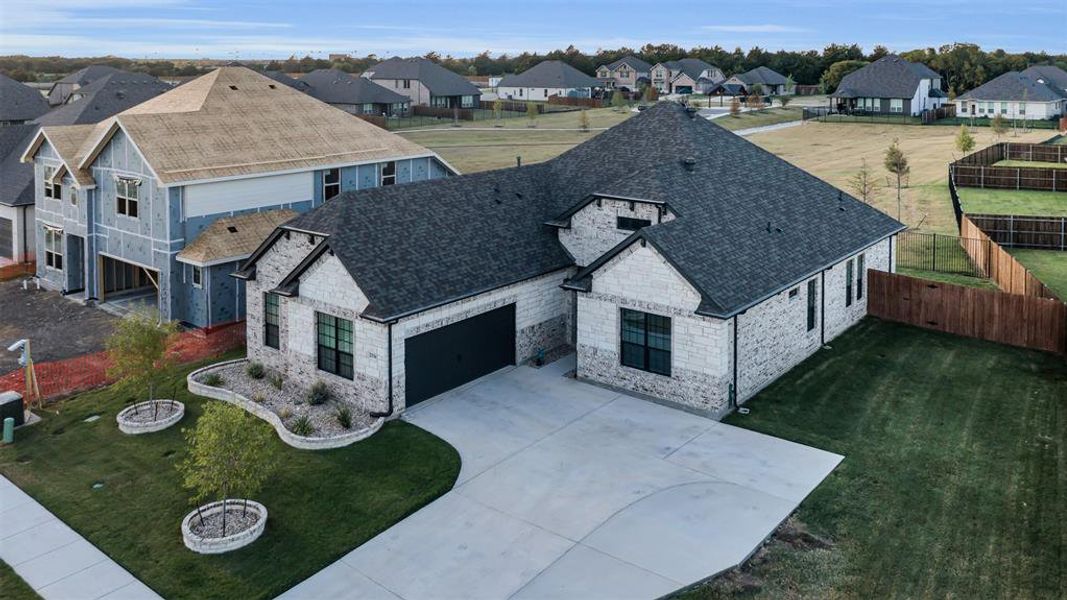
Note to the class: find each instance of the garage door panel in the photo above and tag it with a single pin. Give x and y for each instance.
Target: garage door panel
(445, 358)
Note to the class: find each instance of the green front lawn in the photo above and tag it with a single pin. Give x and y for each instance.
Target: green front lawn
(1013, 202)
(953, 278)
(13, 586)
(759, 118)
(954, 477)
(1050, 266)
(1029, 164)
(321, 503)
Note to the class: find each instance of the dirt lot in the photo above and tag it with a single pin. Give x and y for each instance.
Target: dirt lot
(57, 327)
(835, 151)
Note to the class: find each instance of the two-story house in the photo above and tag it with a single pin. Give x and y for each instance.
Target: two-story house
(889, 85)
(119, 201)
(62, 89)
(686, 76)
(425, 82)
(546, 79)
(627, 73)
(618, 248)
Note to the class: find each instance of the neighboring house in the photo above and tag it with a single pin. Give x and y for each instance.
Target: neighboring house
(117, 202)
(618, 248)
(546, 79)
(685, 76)
(770, 81)
(425, 82)
(356, 95)
(1013, 95)
(280, 77)
(1050, 75)
(106, 96)
(19, 102)
(890, 85)
(627, 73)
(62, 89)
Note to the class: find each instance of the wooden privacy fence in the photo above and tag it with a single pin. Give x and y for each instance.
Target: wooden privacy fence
(1038, 323)
(978, 168)
(463, 114)
(1009, 274)
(583, 102)
(1045, 233)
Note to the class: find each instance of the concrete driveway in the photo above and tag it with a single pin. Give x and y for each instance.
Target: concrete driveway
(568, 490)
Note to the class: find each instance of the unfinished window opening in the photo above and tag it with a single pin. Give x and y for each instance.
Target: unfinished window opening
(52, 189)
(53, 248)
(127, 196)
(389, 173)
(331, 183)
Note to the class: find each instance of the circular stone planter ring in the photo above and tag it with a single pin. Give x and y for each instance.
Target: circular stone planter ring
(132, 419)
(218, 545)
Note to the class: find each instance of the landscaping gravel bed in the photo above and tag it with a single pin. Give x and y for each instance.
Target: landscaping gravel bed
(289, 402)
(237, 520)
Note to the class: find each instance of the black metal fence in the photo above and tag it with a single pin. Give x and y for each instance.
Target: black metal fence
(940, 253)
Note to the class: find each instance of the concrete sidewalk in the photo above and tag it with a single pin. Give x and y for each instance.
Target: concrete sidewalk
(53, 559)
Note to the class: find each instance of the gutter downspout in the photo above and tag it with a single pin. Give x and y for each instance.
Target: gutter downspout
(388, 413)
(734, 395)
(822, 311)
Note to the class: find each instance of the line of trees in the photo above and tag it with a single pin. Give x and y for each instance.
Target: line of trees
(963, 66)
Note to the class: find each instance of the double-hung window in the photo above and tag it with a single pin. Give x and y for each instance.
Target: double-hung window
(813, 301)
(896, 105)
(271, 321)
(848, 282)
(859, 277)
(126, 196)
(646, 341)
(389, 173)
(198, 277)
(51, 189)
(331, 183)
(335, 344)
(53, 248)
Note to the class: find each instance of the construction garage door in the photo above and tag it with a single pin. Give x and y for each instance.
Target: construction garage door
(7, 238)
(444, 358)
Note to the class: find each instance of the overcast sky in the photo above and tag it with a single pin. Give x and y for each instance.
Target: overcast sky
(264, 29)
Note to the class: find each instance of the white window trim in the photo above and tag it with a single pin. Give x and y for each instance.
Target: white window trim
(57, 234)
(137, 186)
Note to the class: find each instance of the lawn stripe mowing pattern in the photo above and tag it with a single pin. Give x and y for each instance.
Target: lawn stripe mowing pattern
(14, 587)
(1049, 266)
(955, 469)
(1013, 202)
(321, 504)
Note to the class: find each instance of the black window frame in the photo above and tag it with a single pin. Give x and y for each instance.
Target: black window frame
(635, 349)
(631, 223)
(859, 276)
(272, 320)
(848, 282)
(332, 358)
(813, 299)
(390, 177)
(331, 188)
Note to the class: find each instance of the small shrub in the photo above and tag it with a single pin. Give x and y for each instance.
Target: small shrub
(285, 412)
(344, 416)
(258, 398)
(318, 394)
(276, 380)
(255, 370)
(214, 380)
(302, 426)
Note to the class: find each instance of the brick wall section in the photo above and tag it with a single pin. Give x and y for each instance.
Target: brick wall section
(594, 230)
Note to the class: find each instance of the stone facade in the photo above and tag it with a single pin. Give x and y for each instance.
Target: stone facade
(594, 229)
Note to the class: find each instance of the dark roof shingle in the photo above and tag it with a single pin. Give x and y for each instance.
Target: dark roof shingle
(550, 74)
(438, 79)
(1013, 86)
(20, 102)
(104, 97)
(333, 86)
(887, 77)
(763, 76)
(16, 178)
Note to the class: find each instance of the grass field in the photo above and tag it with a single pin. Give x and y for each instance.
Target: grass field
(1013, 202)
(481, 146)
(954, 278)
(760, 118)
(1030, 164)
(322, 504)
(12, 586)
(1049, 266)
(834, 152)
(953, 480)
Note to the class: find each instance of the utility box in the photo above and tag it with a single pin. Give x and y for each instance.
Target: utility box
(11, 406)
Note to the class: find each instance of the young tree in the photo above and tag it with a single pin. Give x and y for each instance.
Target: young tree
(498, 109)
(618, 102)
(650, 95)
(583, 120)
(531, 113)
(231, 454)
(964, 140)
(897, 164)
(136, 348)
(998, 126)
(784, 100)
(863, 183)
(735, 107)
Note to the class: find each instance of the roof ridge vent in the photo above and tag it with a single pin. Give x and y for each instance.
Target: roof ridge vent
(689, 163)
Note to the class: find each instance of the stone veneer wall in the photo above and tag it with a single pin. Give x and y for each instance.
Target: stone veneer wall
(639, 278)
(594, 230)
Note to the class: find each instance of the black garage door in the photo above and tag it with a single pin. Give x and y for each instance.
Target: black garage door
(7, 235)
(444, 358)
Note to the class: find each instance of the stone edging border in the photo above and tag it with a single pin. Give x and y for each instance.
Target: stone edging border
(202, 545)
(294, 440)
(137, 428)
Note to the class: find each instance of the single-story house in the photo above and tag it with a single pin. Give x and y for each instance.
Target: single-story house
(546, 79)
(356, 95)
(685, 76)
(19, 102)
(425, 82)
(1050, 75)
(770, 81)
(889, 85)
(1013, 95)
(618, 248)
(627, 73)
(117, 202)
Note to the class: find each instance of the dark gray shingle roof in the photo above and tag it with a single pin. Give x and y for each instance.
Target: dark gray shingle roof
(333, 86)
(1048, 74)
(16, 178)
(440, 80)
(105, 97)
(763, 76)
(20, 102)
(550, 74)
(88, 74)
(887, 77)
(692, 67)
(418, 245)
(280, 77)
(1013, 86)
(633, 62)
